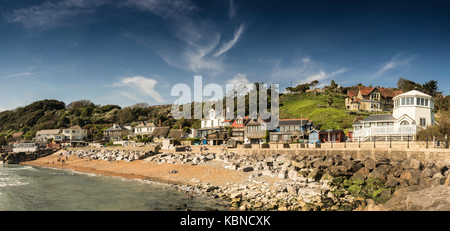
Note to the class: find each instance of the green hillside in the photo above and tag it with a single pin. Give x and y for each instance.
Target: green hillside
(315, 108)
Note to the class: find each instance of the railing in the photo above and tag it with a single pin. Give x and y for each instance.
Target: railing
(402, 130)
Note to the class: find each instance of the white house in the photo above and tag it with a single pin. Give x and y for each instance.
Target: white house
(74, 133)
(413, 110)
(211, 123)
(43, 135)
(144, 128)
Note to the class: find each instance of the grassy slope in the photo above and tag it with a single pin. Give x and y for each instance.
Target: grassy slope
(304, 104)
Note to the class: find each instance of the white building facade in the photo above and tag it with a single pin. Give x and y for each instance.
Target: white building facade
(413, 110)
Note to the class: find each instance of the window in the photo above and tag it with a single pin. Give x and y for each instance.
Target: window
(422, 101)
(418, 101)
(426, 102)
(281, 128)
(423, 122)
(403, 101)
(412, 101)
(274, 137)
(404, 123)
(407, 101)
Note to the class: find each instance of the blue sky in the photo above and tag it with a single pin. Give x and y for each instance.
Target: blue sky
(132, 51)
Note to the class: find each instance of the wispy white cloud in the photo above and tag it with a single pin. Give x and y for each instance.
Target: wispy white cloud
(200, 51)
(400, 59)
(25, 73)
(48, 15)
(139, 85)
(226, 46)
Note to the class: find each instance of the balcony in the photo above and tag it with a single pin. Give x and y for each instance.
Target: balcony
(401, 130)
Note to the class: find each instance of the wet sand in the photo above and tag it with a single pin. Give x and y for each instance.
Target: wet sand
(212, 172)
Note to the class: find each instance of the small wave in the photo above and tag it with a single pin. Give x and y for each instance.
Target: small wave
(7, 184)
(19, 169)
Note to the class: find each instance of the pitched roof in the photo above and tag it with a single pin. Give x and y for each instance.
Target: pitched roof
(352, 93)
(161, 131)
(17, 134)
(174, 133)
(48, 131)
(371, 118)
(144, 124)
(365, 90)
(74, 127)
(116, 127)
(386, 92)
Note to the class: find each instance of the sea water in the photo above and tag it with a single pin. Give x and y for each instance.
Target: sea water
(30, 188)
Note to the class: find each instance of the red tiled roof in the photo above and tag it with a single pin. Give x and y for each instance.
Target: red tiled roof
(386, 92)
(17, 134)
(352, 93)
(365, 90)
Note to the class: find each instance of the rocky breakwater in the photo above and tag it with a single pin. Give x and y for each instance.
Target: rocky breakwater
(17, 157)
(316, 183)
(109, 155)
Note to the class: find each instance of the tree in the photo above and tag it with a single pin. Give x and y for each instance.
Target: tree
(330, 100)
(186, 131)
(406, 85)
(431, 88)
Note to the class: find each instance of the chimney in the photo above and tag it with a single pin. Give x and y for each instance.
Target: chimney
(160, 123)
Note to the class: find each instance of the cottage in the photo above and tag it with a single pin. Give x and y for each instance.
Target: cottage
(291, 129)
(43, 135)
(255, 129)
(237, 128)
(116, 132)
(213, 124)
(160, 133)
(412, 110)
(371, 99)
(174, 134)
(144, 128)
(74, 133)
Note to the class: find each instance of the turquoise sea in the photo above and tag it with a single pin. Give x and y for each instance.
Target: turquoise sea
(30, 188)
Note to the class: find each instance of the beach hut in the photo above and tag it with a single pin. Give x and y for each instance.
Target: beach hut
(313, 136)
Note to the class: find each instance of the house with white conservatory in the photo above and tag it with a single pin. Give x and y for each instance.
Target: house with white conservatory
(413, 110)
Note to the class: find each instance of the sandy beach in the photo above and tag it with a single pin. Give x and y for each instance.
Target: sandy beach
(212, 172)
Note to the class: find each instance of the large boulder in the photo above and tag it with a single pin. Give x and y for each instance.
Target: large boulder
(370, 164)
(417, 198)
(412, 176)
(412, 164)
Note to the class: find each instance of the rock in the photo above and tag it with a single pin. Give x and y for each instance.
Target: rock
(411, 175)
(412, 164)
(370, 164)
(392, 182)
(247, 168)
(420, 199)
(358, 178)
(282, 174)
(354, 189)
(236, 195)
(292, 189)
(377, 173)
(429, 172)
